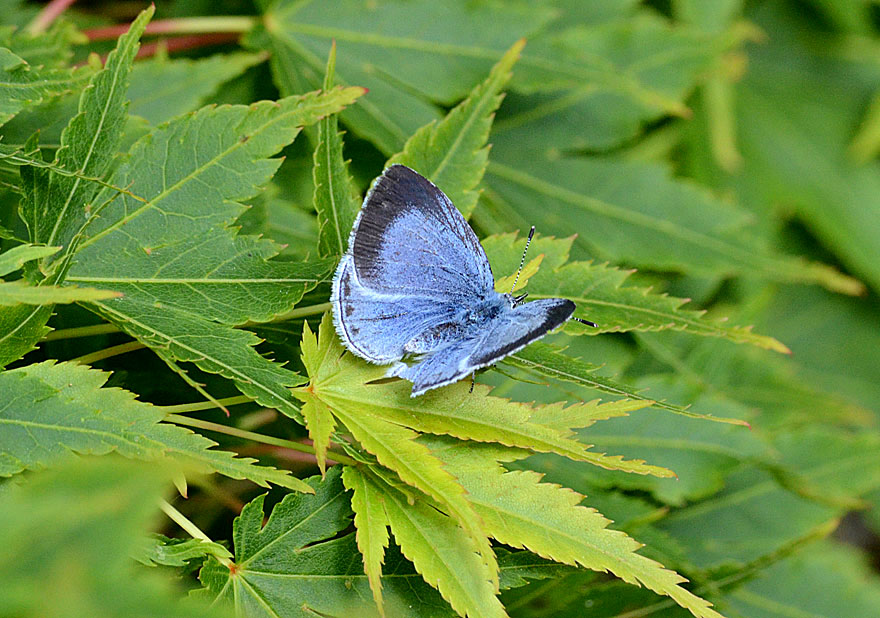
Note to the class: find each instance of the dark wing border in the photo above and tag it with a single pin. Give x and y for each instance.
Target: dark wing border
(555, 317)
(397, 191)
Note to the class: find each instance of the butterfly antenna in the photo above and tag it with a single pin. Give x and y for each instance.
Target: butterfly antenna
(522, 262)
(587, 322)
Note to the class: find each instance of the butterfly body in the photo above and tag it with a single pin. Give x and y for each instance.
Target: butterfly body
(416, 284)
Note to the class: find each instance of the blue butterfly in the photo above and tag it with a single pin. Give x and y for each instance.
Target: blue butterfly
(416, 283)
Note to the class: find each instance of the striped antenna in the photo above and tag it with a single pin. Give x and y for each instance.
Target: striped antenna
(587, 322)
(522, 262)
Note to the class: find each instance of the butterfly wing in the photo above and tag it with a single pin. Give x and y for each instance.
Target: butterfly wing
(410, 239)
(413, 263)
(505, 334)
(513, 330)
(376, 325)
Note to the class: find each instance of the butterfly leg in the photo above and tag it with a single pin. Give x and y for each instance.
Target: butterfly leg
(473, 379)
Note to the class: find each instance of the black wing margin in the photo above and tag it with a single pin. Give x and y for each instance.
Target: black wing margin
(410, 239)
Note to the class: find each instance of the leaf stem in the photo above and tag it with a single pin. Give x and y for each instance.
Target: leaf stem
(81, 331)
(116, 350)
(256, 437)
(189, 41)
(190, 528)
(301, 312)
(181, 25)
(50, 13)
(206, 405)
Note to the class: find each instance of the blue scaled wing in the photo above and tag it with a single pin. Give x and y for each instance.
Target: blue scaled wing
(505, 334)
(413, 262)
(376, 325)
(410, 239)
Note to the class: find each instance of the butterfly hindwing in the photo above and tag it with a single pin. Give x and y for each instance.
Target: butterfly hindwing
(376, 325)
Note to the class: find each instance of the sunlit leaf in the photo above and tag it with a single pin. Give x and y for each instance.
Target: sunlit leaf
(387, 412)
(336, 199)
(520, 511)
(453, 153)
(601, 295)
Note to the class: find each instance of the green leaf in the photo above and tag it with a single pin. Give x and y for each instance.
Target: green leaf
(453, 153)
(164, 551)
(289, 567)
(865, 144)
(71, 531)
(52, 48)
(837, 355)
(20, 292)
(22, 86)
(180, 280)
(636, 213)
(411, 41)
(393, 445)
(621, 74)
(767, 383)
(224, 277)
(382, 416)
(371, 522)
(17, 157)
(701, 454)
(57, 205)
(825, 469)
(546, 360)
(162, 88)
(336, 196)
(21, 327)
(318, 416)
(599, 292)
(14, 258)
(49, 411)
(795, 149)
(520, 511)
(447, 559)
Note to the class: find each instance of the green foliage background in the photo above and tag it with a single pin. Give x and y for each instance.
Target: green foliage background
(181, 433)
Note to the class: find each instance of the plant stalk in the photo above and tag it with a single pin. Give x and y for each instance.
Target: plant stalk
(256, 437)
(190, 528)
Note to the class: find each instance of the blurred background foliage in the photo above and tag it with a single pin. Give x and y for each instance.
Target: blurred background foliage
(705, 144)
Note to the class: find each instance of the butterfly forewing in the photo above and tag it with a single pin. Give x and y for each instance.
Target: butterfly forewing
(410, 239)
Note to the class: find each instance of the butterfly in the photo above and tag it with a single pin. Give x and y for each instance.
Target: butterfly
(415, 284)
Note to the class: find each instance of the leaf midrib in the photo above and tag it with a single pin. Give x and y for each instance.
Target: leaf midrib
(195, 173)
(121, 66)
